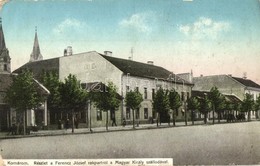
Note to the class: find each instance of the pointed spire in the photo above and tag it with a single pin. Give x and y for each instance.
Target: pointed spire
(36, 53)
(2, 38)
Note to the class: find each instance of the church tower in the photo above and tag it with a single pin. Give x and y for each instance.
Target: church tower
(5, 60)
(36, 53)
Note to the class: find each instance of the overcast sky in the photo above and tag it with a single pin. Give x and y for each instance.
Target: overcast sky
(208, 36)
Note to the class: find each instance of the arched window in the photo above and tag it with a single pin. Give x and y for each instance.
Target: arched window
(5, 67)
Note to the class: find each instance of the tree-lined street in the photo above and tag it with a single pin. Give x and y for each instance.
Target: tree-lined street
(236, 143)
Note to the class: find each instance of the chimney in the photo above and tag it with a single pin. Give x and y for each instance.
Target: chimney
(108, 53)
(150, 62)
(69, 50)
(244, 75)
(65, 52)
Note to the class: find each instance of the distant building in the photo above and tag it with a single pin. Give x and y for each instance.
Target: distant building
(8, 115)
(92, 67)
(228, 85)
(5, 81)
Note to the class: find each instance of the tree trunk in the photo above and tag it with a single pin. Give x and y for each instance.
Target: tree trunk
(90, 117)
(192, 117)
(24, 122)
(173, 117)
(248, 116)
(185, 116)
(205, 118)
(157, 119)
(107, 122)
(73, 118)
(133, 118)
(218, 117)
(213, 113)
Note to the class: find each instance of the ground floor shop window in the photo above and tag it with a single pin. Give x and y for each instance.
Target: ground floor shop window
(99, 115)
(145, 113)
(128, 113)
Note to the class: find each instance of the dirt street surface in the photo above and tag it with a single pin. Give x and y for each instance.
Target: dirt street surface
(236, 143)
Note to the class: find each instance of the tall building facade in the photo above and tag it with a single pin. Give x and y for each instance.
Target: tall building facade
(93, 67)
(5, 60)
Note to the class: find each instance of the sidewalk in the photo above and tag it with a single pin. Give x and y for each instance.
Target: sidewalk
(5, 135)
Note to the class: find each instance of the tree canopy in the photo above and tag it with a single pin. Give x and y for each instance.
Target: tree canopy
(133, 100)
(192, 104)
(106, 99)
(73, 97)
(174, 103)
(24, 94)
(51, 81)
(161, 103)
(247, 104)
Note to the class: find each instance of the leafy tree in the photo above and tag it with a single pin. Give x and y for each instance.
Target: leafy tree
(175, 103)
(23, 94)
(192, 104)
(215, 99)
(204, 107)
(106, 99)
(221, 105)
(257, 106)
(133, 100)
(247, 105)
(161, 104)
(237, 107)
(73, 97)
(51, 81)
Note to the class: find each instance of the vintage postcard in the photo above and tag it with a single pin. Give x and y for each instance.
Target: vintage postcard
(129, 82)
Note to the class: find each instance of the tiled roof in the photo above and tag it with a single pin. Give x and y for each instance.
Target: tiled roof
(229, 97)
(2, 38)
(142, 69)
(126, 66)
(37, 67)
(247, 82)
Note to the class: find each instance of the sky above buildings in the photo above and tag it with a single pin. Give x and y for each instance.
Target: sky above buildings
(208, 36)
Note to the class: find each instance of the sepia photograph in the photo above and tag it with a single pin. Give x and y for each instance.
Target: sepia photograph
(129, 82)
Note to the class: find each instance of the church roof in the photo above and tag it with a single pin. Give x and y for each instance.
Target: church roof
(2, 38)
(36, 53)
(143, 69)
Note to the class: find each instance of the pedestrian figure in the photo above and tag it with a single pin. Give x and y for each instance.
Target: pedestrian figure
(113, 119)
(124, 122)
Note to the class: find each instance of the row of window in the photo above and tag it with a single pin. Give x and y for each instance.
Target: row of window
(137, 113)
(145, 94)
(128, 114)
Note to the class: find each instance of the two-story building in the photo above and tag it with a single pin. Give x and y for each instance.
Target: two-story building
(91, 67)
(228, 85)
